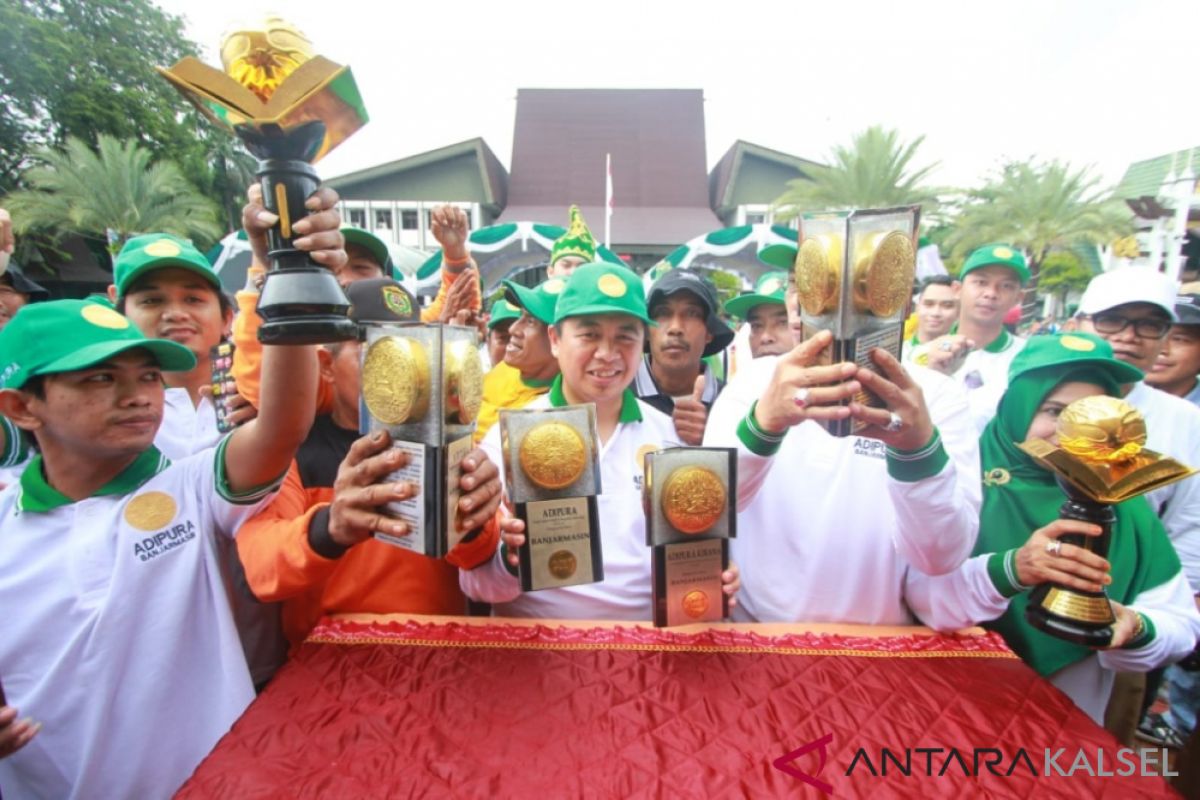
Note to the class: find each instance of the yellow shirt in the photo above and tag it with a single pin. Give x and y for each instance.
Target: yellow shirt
(503, 387)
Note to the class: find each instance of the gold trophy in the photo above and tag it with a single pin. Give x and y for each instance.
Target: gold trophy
(423, 383)
(552, 474)
(854, 276)
(290, 108)
(1100, 461)
(689, 498)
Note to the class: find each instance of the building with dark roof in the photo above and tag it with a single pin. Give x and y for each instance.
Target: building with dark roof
(663, 193)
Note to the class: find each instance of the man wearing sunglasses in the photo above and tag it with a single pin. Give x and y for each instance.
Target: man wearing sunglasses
(1133, 308)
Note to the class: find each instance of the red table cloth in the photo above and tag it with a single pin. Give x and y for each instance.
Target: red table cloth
(486, 709)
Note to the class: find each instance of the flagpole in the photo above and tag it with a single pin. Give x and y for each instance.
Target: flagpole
(608, 199)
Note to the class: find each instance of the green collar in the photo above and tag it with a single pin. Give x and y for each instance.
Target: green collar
(39, 496)
(630, 412)
(998, 345)
(534, 383)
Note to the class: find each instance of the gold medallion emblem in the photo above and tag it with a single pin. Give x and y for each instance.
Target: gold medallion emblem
(103, 317)
(1077, 343)
(771, 287)
(562, 564)
(151, 511)
(695, 603)
(693, 499)
(395, 380)
(464, 382)
(818, 271)
(553, 455)
(883, 273)
(612, 286)
(555, 285)
(163, 248)
(1002, 252)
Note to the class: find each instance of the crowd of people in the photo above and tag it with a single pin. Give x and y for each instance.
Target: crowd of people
(156, 570)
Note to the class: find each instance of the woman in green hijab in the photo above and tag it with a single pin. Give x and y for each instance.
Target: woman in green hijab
(1017, 546)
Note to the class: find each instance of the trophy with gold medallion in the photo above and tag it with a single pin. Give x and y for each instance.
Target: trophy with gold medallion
(423, 384)
(552, 474)
(854, 275)
(1100, 460)
(691, 514)
(289, 107)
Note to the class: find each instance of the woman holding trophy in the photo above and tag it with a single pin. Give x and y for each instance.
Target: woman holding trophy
(1064, 627)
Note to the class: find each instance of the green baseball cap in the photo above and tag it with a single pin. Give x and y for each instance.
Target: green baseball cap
(769, 289)
(602, 288)
(69, 335)
(1071, 348)
(780, 256)
(372, 244)
(152, 251)
(538, 301)
(997, 255)
(502, 311)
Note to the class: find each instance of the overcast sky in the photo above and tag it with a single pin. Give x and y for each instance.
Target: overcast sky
(1100, 82)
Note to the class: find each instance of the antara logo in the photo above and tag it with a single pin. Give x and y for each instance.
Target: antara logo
(786, 763)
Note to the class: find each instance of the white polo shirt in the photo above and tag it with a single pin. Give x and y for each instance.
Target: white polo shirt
(186, 428)
(836, 522)
(626, 593)
(118, 635)
(1173, 429)
(984, 376)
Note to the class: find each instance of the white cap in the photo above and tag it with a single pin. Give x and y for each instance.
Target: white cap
(1129, 285)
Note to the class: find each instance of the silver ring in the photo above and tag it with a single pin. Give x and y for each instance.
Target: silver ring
(801, 398)
(894, 422)
(946, 347)
(1053, 547)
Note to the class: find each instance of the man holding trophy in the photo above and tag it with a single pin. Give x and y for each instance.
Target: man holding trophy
(598, 333)
(897, 485)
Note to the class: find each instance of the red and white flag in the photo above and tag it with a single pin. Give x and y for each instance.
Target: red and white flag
(608, 199)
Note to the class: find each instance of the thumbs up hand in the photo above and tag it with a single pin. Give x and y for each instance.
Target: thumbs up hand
(690, 416)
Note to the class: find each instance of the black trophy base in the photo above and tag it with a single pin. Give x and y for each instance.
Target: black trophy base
(304, 305)
(687, 582)
(1083, 632)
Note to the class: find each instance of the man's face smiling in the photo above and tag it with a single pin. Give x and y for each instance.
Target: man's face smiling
(177, 304)
(528, 348)
(937, 311)
(598, 355)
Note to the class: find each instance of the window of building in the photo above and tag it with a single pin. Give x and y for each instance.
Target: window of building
(755, 218)
(383, 219)
(409, 220)
(358, 217)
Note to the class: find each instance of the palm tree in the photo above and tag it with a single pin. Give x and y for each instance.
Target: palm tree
(1039, 207)
(117, 191)
(875, 171)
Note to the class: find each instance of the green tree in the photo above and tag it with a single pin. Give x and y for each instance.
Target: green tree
(874, 171)
(1039, 207)
(117, 188)
(1062, 273)
(86, 67)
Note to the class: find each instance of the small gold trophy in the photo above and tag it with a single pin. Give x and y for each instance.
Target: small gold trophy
(1100, 461)
(552, 473)
(688, 496)
(289, 107)
(423, 383)
(854, 275)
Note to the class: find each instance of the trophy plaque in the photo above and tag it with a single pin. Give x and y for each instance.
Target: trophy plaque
(289, 107)
(854, 276)
(423, 384)
(689, 498)
(1100, 461)
(552, 474)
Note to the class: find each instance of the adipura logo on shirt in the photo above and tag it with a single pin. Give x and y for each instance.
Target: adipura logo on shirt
(154, 513)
